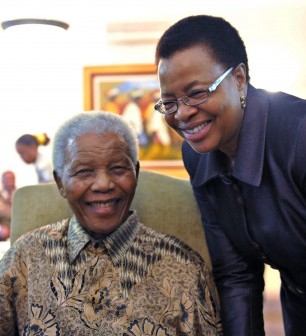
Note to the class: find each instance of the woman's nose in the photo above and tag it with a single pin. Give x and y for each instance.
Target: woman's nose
(184, 112)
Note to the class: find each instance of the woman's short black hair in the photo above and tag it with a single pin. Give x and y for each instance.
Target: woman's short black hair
(217, 34)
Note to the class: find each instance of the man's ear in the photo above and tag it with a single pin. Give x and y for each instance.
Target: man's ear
(137, 169)
(59, 184)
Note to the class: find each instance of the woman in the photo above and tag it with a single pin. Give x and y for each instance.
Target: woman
(29, 147)
(102, 272)
(245, 152)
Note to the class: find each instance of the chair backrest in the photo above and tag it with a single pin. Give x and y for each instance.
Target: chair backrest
(163, 203)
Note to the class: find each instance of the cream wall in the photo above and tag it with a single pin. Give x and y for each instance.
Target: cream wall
(41, 81)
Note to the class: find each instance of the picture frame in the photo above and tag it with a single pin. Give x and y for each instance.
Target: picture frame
(131, 90)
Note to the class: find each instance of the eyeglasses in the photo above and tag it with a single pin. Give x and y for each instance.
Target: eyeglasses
(195, 98)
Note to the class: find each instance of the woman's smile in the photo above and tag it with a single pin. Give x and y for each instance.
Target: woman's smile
(198, 132)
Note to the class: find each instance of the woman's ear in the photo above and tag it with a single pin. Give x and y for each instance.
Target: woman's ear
(59, 184)
(241, 76)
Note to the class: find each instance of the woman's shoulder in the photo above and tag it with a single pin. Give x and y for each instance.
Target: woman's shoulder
(282, 103)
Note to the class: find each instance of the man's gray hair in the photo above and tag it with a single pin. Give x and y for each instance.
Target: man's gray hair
(88, 123)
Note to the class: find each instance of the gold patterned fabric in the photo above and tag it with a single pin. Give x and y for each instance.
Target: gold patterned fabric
(135, 282)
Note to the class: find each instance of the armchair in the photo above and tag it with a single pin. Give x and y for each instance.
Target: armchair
(162, 202)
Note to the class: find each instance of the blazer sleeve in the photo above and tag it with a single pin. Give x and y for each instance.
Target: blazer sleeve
(301, 156)
(239, 279)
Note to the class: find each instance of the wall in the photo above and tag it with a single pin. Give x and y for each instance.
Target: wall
(41, 77)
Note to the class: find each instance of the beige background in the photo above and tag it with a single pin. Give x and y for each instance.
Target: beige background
(41, 72)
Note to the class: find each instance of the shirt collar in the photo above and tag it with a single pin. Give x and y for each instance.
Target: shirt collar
(116, 243)
(248, 166)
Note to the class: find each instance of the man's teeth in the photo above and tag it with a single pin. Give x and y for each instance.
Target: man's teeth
(197, 128)
(105, 204)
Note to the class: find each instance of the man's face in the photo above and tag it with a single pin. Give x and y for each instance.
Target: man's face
(99, 182)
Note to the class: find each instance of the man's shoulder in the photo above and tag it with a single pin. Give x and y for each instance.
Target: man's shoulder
(53, 231)
(33, 242)
(155, 242)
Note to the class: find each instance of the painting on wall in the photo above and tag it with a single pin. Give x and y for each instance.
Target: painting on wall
(132, 91)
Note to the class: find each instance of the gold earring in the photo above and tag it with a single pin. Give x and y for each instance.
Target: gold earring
(243, 102)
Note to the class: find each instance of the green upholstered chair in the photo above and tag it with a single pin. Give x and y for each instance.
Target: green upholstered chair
(162, 202)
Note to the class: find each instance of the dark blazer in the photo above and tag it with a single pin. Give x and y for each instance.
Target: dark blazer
(256, 213)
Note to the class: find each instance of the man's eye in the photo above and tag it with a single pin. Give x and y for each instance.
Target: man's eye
(83, 171)
(118, 170)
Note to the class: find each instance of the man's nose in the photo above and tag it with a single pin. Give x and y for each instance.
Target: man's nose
(102, 182)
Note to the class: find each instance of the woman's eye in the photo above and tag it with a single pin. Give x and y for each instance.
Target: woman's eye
(198, 94)
(168, 105)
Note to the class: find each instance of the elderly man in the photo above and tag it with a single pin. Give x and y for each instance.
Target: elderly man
(102, 272)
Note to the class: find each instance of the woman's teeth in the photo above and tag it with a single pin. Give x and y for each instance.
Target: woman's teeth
(197, 128)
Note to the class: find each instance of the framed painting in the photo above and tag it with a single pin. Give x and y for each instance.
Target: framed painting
(132, 91)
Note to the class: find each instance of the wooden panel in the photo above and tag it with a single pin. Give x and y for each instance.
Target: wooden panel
(173, 168)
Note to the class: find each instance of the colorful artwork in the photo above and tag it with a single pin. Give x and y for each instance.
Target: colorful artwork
(132, 91)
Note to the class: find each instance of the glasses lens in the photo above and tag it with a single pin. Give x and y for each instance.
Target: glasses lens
(166, 107)
(197, 97)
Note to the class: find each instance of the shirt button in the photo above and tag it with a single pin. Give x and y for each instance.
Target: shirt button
(256, 246)
(263, 257)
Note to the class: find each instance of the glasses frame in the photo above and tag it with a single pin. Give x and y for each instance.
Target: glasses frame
(185, 99)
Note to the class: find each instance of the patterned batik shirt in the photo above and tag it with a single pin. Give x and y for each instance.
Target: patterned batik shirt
(56, 280)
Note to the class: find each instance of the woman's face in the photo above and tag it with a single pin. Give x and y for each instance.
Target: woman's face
(215, 123)
(99, 182)
(27, 153)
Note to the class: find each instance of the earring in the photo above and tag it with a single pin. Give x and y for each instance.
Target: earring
(243, 102)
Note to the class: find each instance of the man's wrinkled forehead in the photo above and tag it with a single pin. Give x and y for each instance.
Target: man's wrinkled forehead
(94, 141)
